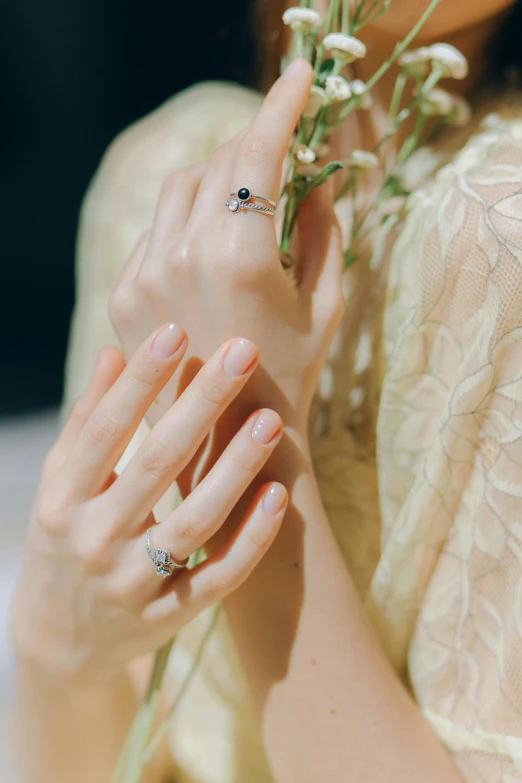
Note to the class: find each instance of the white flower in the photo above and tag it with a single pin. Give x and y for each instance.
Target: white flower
(302, 20)
(308, 170)
(416, 62)
(337, 89)
(437, 102)
(321, 150)
(344, 48)
(362, 159)
(304, 154)
(452, 62)
(460, 113)
(359, 88)
(315, 100)
(392, 206)
(419, 167)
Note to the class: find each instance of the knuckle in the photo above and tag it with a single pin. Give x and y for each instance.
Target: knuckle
(256, 539)
(170, 185)
(243, 461)
(159, 460)
(122, 592)
(52, 515)
(92, 554)
(254, 151)
(103, 430)
(145, 376)
(190, 532)
(150, 280)
(209, 390)
(122, 303)
(226, 581)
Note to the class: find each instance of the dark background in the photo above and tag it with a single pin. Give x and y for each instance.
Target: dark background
(73, 73)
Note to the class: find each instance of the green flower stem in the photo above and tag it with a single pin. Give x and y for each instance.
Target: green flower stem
(332, 16)
(411, 143)
(131, 762)
(347, 185)
(398, 90)
(402, 46)
(164, 725)
(356, 16)
(345, 19)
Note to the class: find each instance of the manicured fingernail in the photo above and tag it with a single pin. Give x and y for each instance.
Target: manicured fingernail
(274, 499)
(239, 357)
(295, 68)
(266, 426)
(167, 341)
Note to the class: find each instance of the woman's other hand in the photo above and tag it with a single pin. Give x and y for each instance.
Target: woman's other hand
(89, 598)
(220, 273)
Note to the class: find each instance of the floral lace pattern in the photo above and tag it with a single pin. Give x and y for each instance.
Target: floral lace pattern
(416, 433)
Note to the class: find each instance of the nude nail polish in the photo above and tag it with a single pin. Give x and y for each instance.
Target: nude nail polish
(274, 499)
(167, 341)
(239, 357)
(266, 426)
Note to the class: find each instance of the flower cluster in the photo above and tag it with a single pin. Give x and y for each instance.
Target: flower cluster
(333, 96)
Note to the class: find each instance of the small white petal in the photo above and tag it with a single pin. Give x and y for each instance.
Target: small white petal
(308, 170)
(437, 102)
(362, 159)
(315, 100)
(416, 62)
(359, 88)
(447, 57)
(302, 20)
(338, 89)
(461, 112)
(392, 206)
(344, 48)
(419, 167)
(304, 154)
(321, 150)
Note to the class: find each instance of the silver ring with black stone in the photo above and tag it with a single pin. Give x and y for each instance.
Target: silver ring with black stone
(244, 199)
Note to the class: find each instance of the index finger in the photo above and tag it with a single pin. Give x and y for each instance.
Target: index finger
(265, 143)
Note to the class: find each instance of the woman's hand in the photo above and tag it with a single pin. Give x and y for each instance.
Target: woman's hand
(89, 598)
(220, 274)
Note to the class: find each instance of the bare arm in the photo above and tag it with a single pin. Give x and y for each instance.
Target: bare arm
(331, 706)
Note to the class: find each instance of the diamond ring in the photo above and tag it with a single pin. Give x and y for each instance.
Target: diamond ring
(164, 563)
(244, 199)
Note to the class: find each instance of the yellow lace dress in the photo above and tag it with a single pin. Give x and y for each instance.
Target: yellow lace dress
(416, 433)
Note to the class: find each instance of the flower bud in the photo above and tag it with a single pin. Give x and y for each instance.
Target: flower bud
(302, 20)
(344, 48)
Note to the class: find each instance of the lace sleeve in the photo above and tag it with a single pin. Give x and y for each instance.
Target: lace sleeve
(447, 593)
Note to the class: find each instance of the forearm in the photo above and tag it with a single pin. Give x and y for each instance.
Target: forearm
(331, 706)
(66, 734)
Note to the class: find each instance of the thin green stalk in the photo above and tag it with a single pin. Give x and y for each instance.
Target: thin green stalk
(345, 20)
(347, 185)
(402, 46)
(164, 725)
(411, 143)
(130, 765)
(356, 16)
(331, 16)
(398, 91)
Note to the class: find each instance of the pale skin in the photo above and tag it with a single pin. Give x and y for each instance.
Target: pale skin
(325, 693)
